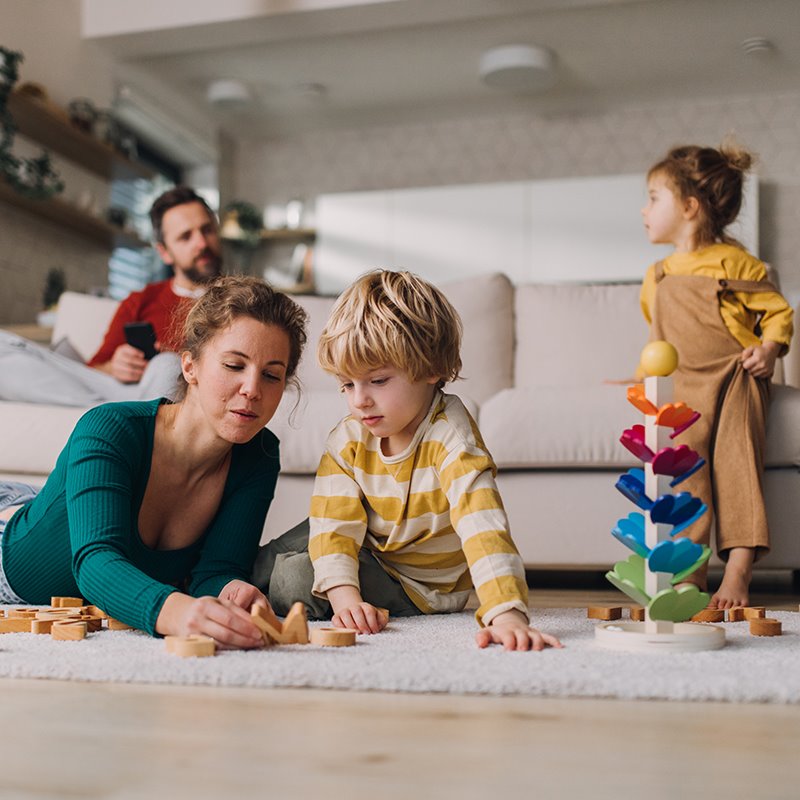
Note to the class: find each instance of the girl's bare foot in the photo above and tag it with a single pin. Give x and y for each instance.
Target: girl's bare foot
(735, 587)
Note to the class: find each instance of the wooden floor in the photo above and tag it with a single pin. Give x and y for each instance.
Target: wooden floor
(75, 740)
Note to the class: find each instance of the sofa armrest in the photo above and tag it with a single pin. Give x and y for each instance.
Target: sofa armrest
(83, 320)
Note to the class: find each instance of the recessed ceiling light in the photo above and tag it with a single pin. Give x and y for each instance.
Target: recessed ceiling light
(518, 67)
(227, 92)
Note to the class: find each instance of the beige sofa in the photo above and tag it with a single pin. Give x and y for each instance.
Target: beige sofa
(539, 361)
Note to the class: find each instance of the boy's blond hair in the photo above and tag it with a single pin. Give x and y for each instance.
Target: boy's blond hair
(392, 318)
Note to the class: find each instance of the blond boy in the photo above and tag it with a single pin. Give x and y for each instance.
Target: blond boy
(405, 514)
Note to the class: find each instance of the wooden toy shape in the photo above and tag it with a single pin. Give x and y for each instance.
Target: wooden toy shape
(674, 555)
(604, 612)
(709, 615)
(116, 625)
(637, 398)
(631, 485)
(754, 612)
(191, 646)
(42, 625)
(66, 602)
(22, 613)
(637, 613)
(677, 416)
(735, 614)
(676, 605)
(333, 637)
(96, 612)
(295, 626)
(675, 461)
(765, 627)
(293, 630)
(15, 625)
(633, 440)
(68, 630)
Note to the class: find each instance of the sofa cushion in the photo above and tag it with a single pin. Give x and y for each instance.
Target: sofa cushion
(486, 307)
(303, 426)
(579, 427)
(577, 334)
(33, 435)
(318, 310)
(558, 427)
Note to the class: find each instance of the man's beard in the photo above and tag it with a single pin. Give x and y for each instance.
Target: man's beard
(206, 274)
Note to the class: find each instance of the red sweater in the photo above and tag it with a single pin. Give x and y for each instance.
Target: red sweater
(156, 304)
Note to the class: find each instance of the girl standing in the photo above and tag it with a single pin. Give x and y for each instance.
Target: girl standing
(711, 299)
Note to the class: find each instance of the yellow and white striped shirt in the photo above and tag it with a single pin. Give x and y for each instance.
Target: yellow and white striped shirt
(432, 515)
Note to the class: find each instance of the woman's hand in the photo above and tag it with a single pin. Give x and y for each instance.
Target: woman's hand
(223, 620)
(511, 629)
(350, 611)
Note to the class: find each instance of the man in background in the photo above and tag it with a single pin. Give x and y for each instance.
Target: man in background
(187, 239)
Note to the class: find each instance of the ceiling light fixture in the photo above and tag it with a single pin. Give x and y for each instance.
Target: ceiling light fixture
(518, 68)
(757, 46)
(227, 93)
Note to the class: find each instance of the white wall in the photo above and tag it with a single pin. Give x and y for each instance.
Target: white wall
(571, 229)
(531, 146)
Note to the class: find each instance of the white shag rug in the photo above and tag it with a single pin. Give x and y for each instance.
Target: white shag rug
(438, 654)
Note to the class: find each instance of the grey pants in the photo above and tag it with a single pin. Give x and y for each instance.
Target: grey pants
(284, 572)
(12, 494)
(30, 373)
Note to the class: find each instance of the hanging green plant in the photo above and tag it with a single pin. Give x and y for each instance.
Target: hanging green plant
(31, 177)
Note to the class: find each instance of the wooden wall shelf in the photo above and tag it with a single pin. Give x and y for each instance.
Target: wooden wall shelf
(49, 125)
(287, 234)
(73, 218)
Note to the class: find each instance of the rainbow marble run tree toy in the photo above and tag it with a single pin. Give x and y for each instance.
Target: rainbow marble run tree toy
(663, 556)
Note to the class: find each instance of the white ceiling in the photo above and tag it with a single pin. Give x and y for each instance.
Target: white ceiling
(410, 60)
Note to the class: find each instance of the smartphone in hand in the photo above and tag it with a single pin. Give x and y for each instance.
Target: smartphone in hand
(141, 336)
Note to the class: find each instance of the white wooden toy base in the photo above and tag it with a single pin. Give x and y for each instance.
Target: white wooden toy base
(683, 637)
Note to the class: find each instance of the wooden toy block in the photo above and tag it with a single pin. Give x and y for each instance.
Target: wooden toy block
(66, 602)
(116, 625)
(42, 625)
(293, 630)
(268, 623)
(754, 612)
(15, 625)
(333, 637)
(191, 646)
(604, 612)
(765, 626)
(736, 614)
(92, 623)
(22, 613)
(68, 630)
(637, 613)
(295, 626)
(57, 613)
(709, 615)
(96, 612)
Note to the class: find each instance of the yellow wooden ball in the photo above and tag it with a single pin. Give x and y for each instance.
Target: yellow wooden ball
(659, 358)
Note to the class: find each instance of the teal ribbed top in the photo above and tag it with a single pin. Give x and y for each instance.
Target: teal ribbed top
(80, 536)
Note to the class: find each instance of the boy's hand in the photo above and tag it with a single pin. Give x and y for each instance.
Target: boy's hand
(511, 630)
(350, 611)
(759, 360)
(243, 594)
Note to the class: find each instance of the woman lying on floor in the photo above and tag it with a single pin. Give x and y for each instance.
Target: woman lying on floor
(154, 510)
